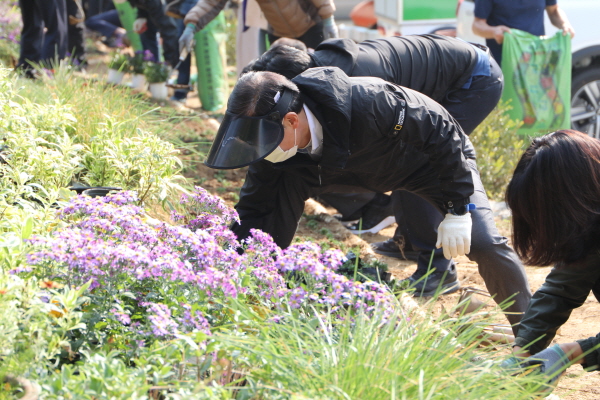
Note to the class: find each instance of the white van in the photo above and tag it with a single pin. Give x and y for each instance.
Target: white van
(585, 85)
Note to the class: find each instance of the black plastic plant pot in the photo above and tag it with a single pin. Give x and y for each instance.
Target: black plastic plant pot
(99, 191)
(81, 189)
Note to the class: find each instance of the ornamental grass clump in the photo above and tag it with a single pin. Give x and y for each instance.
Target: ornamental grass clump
(151, 279)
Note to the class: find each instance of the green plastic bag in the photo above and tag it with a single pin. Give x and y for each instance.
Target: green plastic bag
(211, 63)
(127, 16)
(537, 81)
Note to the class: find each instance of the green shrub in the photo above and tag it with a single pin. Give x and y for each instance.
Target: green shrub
(34, 323)
(65, 130)
(499, 148)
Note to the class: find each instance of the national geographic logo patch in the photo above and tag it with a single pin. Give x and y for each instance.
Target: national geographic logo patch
(401, 116)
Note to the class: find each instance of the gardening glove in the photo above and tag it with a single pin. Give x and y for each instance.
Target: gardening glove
(186, 41)
(330, 29)
(511, 363)
(454, 235)
(140, 25)
(552, 363)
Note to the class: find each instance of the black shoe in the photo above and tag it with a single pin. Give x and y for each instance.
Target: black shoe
(376, 215)
(441, 282)
(172, 9)
(393, 248)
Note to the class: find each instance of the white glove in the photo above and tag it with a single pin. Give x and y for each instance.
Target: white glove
(330, 29)
(140, 25)
(454, 235)
(186, 40)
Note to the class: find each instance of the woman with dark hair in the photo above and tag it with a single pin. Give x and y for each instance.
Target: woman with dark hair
(554, 196)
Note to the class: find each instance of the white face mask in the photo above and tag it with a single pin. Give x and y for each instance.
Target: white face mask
(279, 155)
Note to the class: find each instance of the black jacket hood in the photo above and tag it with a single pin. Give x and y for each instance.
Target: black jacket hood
(343, 53)
(327, 92)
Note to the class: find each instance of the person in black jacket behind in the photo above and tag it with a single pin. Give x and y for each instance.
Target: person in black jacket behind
(326, 132)
(460, 76)
(554, 197)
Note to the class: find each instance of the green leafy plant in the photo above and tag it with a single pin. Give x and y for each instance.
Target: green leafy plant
(120, 62)
(156, 72)
(139, 60)
(498, 147)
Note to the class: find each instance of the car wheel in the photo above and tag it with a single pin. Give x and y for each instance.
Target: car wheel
(585, 102)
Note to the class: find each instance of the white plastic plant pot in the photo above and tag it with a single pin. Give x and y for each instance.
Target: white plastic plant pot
(159, 90)
(114, 76)
(138, 82)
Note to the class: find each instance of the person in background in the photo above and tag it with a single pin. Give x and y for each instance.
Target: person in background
(462, 77)
(44, 37)
(108, 24)
(153, 11)
(554, 196)
(495, 17)
(310, 21)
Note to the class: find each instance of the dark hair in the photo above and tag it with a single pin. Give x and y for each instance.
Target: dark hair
(554, 196)
(254, 94)
(285, 60)
(286, 41)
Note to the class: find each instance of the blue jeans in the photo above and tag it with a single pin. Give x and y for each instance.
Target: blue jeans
(186, 6)
(107, 22)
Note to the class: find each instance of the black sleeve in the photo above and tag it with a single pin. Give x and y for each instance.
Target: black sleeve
(271, 200)
(566, 287)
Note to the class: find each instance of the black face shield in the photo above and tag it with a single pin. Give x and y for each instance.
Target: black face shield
(242, 141)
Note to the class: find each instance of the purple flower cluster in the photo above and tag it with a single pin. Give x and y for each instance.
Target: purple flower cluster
(201, 203)
(10, 22)
(327, 287)
(112, 242)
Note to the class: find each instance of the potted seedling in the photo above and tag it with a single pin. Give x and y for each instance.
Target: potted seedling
(157, 75)
(117, 67)
(138, 64)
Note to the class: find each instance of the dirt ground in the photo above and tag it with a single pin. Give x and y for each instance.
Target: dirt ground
(319, 224)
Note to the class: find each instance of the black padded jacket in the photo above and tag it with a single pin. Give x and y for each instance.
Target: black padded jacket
(430, 64)
(376, 136)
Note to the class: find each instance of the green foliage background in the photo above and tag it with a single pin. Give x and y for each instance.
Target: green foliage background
(498, 147)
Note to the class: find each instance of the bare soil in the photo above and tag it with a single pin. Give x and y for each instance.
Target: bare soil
(318, 224)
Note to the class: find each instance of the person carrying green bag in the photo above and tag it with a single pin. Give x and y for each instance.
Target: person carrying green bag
(494, 18)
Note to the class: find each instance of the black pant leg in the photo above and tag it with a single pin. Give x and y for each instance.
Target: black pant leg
(31, 34)
(312, 38)
(149, 41)
(167, 28)
(348, 203)
(469, 107)
(75, 32)
(419, 223)
(54, 14)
